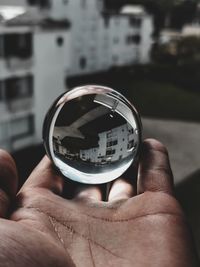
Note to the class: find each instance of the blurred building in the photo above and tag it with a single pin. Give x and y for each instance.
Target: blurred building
(100, 39)
(44, 41)
(169, 36)
(113, 145)
(191, 30)
(33, 59)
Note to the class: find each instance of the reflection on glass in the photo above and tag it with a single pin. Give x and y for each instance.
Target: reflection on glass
(94, 135)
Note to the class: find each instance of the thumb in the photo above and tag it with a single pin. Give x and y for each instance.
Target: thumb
(8, 181)
(154, 173)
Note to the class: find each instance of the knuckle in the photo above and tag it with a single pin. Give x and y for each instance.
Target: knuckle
(155, 145)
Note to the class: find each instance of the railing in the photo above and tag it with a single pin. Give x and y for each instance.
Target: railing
(17, 63)
(20, 104)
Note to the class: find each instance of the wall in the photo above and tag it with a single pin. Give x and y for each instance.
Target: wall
(146, 41)
(51, 63)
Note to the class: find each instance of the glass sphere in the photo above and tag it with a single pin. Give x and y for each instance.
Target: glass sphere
(92, 134)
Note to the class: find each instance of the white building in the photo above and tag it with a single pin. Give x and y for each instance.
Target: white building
(114, 145)
(32, 75)
(101, 40)
(48, 49)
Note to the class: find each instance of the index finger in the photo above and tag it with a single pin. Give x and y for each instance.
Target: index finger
(45, 176)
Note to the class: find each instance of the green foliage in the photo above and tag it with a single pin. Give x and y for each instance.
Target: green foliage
(175, 12)
(188, 50)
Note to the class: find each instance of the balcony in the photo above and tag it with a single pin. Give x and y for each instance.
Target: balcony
(16, 51)
(14, 64)
(20, 104)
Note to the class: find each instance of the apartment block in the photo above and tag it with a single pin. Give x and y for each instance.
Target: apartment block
(42, 42)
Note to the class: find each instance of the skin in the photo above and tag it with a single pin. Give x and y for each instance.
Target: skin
(140, 225)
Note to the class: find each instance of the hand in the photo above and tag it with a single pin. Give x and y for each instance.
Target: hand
(135, 227)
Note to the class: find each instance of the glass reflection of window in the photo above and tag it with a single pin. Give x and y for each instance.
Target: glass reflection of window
(110, 152)
(112, 143)
(131, 131)
(109, 134)
(131, 144)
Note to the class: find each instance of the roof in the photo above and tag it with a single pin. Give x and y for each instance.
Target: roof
(132, 10)
(10, 12)
(21, 16)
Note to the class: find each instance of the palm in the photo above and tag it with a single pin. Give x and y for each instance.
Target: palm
(48, 230)
(83, 231)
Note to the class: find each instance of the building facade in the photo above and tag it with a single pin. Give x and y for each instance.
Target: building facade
(100, 39)
(55, 39)
(32, 74)
(116, 144)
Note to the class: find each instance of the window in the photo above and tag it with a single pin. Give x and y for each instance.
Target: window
(44, 3)
(22, 127)
(131, 144)
(106, 21)
(60, 41)
(131, 131)
(135, 22)
(110, 152)
(133, 39)
(18, 45)
(109, 134)
(136, 39)
(18, 88)
(32, 2)
(83, 62)
(112, 143)
(41, 3)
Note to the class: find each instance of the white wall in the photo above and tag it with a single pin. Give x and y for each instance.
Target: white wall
(121, 134)
(146, 41)
(51, 62)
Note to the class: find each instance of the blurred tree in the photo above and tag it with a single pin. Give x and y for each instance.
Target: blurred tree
(188, 50)
(178, 62)
(183, 51)
(165, 53)
(183, 13)
(167, 13)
